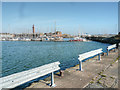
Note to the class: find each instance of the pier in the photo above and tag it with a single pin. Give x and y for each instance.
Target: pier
(91, 77)
(98, 68)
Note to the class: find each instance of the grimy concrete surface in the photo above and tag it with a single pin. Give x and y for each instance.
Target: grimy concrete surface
(92, 68)
(108, 78)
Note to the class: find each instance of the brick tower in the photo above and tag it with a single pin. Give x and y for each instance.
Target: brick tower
(33, 30)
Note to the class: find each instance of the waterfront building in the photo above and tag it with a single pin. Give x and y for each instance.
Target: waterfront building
(5, 36)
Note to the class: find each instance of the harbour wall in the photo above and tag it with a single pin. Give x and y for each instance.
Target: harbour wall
(110, 40)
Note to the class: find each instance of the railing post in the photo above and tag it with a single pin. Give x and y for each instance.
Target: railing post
(52, 80)
(99, 57)
(80, 65)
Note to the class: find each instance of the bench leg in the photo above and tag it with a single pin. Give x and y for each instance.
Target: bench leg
(52, 80)
(99, 57)
(115, 50)
(80, 65)
(107, 52)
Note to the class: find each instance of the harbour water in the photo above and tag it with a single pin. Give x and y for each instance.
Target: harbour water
(19, 56)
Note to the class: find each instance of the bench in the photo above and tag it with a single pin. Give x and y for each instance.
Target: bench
(14, 80)
(111, 47)
(89, 55)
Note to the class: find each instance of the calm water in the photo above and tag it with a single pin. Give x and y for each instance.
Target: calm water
(18, 56)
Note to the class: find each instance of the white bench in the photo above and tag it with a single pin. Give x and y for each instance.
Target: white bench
(111, 47)
(88, 55)
(14, 80)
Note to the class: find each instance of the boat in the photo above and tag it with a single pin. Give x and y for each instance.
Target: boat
(25, 39)
(36, 39)
(76, 39)
(16, 39)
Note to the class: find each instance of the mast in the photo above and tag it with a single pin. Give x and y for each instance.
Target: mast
(79, 32)
(8, 28)
(55, 28)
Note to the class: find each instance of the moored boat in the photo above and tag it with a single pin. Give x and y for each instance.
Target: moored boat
(76, 39)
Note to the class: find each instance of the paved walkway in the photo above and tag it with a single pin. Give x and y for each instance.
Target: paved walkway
(80, 79)
(107, 78)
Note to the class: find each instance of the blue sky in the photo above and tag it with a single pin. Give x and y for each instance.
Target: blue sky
(71, 17)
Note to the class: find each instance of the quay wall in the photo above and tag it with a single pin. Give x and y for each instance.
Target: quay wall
(110, 40)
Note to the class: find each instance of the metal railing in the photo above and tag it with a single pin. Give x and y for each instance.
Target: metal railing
(88, 55)
(14, 80)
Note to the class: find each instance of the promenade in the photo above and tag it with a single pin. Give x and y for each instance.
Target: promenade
(95, 74)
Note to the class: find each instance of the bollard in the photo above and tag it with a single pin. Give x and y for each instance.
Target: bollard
(52, 80)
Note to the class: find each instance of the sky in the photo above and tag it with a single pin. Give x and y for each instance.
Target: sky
(70, 17)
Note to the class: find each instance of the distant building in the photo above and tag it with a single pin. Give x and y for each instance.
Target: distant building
(6, 35)
(26, 35)
(57, 34)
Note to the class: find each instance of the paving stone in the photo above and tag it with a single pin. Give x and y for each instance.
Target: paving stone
(95, 85)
